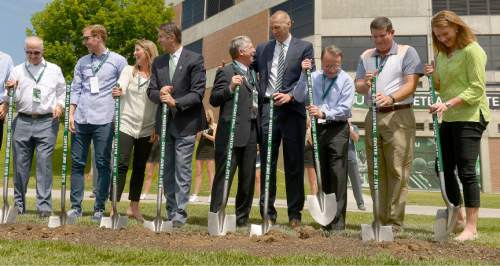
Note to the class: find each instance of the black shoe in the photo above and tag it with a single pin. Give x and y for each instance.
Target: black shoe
(177, 224)
(44, 214)
(294, 223)
(242, 223)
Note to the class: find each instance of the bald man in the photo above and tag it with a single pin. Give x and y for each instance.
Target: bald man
(278, 63)
(39, 95)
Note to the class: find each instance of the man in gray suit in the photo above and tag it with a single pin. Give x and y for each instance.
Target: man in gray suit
(178, 80)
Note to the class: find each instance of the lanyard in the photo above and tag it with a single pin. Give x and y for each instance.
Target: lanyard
(32, 76)
(95, 70)
(379, 69)
(325, 93)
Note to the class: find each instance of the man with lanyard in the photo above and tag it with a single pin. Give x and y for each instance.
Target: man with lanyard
(39, 95)
(91, 116)
(245, 136)
(333, 96)
(6, 66)
(398, 69)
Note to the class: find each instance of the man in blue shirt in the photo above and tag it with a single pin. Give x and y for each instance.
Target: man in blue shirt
(333, 96)
(6, 66)
(91, 116)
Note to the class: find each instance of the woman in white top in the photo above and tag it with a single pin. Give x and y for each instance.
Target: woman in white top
(137, 122)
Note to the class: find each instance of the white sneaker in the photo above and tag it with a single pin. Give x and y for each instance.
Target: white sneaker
(144, 196)
(209, 198)
(193, 198)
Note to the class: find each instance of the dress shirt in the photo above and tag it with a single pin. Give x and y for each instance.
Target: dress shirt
(96, 108)
(176, 55)
(6, 66)
(51, 85)
(338, 102)
(273, 75)
(137, 117)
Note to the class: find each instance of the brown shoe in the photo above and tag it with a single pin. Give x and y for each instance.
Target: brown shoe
(294, 223)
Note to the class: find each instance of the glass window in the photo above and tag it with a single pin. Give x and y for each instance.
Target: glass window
(302, 14)
(196, 46)
(467, 7)
(192, 12)
(216, 6)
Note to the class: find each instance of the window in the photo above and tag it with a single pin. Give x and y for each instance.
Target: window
(491, 45)
(353, 47)
(216, 6)
(302, 14)
(468, 7)
(196, 46)
(192, 12)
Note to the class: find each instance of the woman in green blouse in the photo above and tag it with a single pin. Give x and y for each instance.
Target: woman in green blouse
(460, 77)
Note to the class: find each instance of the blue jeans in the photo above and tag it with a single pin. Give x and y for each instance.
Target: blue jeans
(101, 136)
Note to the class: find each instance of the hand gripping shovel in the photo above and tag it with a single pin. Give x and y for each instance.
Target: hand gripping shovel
(219, 223)
(115, 221)
(8, 213)
(158, 225)
(375, 231)
(255, 229)
(446, 219)
(322, 206)
(63, 219)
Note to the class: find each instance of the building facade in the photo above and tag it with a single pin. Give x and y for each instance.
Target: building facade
(209, 25)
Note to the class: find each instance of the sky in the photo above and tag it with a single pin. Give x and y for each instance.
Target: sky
(14, 19)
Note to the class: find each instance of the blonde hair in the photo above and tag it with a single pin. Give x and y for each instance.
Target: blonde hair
(150, 51)
(447, 18)
(97, 30)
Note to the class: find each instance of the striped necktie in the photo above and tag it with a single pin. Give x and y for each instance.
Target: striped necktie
(281, 67)
(171, 67)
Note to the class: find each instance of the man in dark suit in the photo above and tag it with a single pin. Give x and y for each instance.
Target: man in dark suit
(227, 79)
(279, 65)
(178, 80)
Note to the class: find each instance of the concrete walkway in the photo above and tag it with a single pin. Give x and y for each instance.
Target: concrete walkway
(281, 203)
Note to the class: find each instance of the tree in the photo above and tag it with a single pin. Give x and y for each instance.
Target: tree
(61, 22)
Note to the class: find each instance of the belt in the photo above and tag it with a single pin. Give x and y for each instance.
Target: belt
(35, 116)
(387, 109)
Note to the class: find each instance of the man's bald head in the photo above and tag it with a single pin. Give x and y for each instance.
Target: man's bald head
(280, 25)
(33, 47)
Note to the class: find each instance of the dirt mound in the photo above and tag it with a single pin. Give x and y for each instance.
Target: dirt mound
(304, 240)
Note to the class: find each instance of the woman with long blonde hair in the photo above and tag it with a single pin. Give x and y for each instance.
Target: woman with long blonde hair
(137, 122)
(459, 74)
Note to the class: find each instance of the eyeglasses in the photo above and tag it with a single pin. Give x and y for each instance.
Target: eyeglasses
(334, 66)
(33, 52)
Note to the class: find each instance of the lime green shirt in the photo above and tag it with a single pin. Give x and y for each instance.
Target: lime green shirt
(464, 75)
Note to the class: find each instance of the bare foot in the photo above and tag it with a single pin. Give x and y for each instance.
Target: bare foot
(459, 227)
(466, 235)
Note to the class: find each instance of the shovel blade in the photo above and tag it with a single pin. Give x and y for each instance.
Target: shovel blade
(216, 227)
(322, 211)
(441, 230)
(8, 215)
(260, 229)
(114, 222)
(369, 232)
(60, 220)
(158, 225)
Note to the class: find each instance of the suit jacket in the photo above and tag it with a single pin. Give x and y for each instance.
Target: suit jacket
(297, 52)
(221, 96)
(188, 117)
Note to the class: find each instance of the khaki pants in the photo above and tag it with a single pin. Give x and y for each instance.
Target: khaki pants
(396, 140)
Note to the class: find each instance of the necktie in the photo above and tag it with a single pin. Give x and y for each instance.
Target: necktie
(171, 67)
(281, 67)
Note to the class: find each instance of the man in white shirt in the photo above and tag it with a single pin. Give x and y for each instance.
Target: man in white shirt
(39, 95)
(6, 66)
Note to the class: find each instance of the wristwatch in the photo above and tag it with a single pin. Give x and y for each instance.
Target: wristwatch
(393, 99)
(448, 105)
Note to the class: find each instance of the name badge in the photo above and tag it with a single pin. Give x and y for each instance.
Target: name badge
(321, 121)
(37, 95)
(94, 85)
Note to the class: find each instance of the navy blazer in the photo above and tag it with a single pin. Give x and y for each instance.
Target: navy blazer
(297, 52)
(188, 118)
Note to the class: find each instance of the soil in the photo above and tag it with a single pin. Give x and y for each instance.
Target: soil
(305, 240)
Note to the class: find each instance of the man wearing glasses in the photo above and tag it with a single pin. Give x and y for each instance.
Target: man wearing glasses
(39, 95)
(6, 66)
(333, 96)
(91, 116)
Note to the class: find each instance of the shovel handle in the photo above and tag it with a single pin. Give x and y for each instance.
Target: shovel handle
(314, 134)
(6, 170)
(268, 158)
(64, 168)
